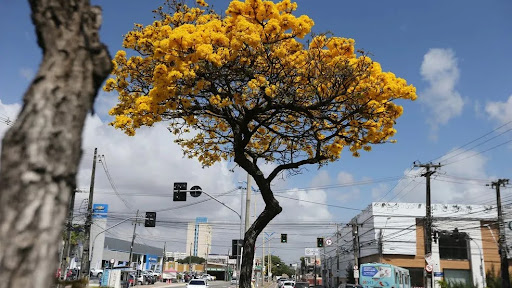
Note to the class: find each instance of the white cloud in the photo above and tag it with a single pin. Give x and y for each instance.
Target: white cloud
(8, 114)
(147, 165)
(27, 73)
(440, 70)
(501, 111)
(351, 193)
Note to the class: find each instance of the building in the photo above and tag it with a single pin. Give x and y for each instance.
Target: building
(464, 242)
(143, 256)
(199, 238)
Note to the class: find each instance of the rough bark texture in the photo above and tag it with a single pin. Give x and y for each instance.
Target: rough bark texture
(41, 151)
(271, 210)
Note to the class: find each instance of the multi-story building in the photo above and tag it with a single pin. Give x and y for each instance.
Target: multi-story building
(464, 242)
(199, 238)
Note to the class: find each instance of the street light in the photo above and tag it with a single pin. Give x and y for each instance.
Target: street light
(481, 260)
(239, 264)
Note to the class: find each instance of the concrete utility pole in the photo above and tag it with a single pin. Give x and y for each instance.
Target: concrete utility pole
(248, 204)
(263, 260)
(163, 259)
(337, 255)
(428, 223)
(84, 267)
(355, 237)
(133, 238)
(505, 277)
(67, 244)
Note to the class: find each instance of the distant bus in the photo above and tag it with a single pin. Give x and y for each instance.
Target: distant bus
(373, 275)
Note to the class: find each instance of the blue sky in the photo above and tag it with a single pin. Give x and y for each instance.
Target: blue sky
(456, 53)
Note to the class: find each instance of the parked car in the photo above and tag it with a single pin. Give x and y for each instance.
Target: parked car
(197, 283)
(301, 285)
(72, 274)
(288, 284)
(96, 272)
(347, 285)
(208, 277)
(234, 281)
(149, 278)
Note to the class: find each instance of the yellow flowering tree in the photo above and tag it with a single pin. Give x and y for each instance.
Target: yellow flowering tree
(252, 93)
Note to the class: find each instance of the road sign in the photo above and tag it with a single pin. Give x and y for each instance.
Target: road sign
(428, 268)
(195, 191)
(328, 242)
(428, 258)
(312, 251)
(438, 274)
(356, 267)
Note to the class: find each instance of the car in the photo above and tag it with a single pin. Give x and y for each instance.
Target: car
(280, 281)
(301, 285)
(148, 277)
(288, 284)
(234, 281)
(347, 285)
(197, 283)
(208, 277)
(95, 272)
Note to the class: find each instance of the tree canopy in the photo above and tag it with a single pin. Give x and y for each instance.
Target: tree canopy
(192, 259)
(243, 81)
(241, 86)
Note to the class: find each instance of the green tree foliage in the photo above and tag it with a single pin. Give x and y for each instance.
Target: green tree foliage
(193, 260)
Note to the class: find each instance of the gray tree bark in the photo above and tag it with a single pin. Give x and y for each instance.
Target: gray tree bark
(41, 151)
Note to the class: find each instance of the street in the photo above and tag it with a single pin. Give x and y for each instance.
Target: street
(211, 284)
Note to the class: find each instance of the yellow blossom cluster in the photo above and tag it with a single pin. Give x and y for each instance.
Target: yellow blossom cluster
(246, 73)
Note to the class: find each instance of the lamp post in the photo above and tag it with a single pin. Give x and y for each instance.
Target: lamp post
(481, 261)
(240, 217)
(117, 224)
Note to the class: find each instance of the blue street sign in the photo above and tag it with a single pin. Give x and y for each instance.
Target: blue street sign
(438, 274)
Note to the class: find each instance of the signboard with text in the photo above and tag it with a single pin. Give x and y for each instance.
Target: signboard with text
(312, 252)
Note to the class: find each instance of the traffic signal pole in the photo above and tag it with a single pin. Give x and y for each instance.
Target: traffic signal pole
(133, 240)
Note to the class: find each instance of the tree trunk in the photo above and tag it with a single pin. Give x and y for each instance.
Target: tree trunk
(272, 209)
(41, 151)
(250, 238)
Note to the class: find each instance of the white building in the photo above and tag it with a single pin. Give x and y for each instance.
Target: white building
(464, 245)
(199, 238)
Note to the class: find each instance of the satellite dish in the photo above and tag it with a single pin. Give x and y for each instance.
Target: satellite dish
(195, 191)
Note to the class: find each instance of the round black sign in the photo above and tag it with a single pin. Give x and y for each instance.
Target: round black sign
(195, 191)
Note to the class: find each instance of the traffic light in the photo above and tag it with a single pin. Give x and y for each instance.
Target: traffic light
(180, 191)
(150, 219)
(319, 242)
(284, 238)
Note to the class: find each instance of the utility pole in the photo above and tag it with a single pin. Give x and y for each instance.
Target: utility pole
(314, 269)
(85, 265)
(428, 224)
(190, 259)
(67, 244)
(133, 238)
(337, 255)
(355, 238)
(248, 204)
(163, 259)
(505, 277)
(263, 260)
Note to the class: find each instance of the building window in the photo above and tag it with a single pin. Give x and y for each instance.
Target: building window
(416, 276)
(453, 245)
(458, 277)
